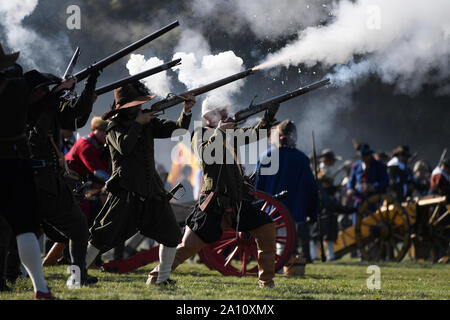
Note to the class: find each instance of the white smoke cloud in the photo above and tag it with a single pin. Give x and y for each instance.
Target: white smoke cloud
(160, 83)
(403, 42)
(265, 18)
(196, 71)
(198, 68)
(36, 51)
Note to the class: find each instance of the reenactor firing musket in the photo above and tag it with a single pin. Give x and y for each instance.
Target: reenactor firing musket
(174, 99)
(242, 115)
(70, 81)
(139, 76)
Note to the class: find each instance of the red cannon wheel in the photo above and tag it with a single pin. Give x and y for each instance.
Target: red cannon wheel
(237, 256)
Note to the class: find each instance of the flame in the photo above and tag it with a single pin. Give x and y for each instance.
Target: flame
(273, 62)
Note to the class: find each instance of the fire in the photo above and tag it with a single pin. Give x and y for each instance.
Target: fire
(273, 62)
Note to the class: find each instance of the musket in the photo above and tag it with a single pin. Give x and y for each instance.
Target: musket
(69, 84)
(319, 227)
(174, 99)
(254, 109)
(72, 64)
(136, 77)
(83, 74)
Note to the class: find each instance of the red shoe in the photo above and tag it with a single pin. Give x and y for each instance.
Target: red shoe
(44, 296)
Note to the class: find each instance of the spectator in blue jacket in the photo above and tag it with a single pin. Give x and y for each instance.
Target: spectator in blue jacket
(294, 175)
(367, 177)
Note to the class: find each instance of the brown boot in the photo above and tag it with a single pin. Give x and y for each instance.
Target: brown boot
(54, 254)
(265, 240)
(190, 245)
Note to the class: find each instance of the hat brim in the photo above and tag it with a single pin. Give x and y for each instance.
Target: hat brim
(136, 102)
(8, 60)
(335, 157)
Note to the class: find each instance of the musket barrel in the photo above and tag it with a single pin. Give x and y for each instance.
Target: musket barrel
(254, 109)
(139, 76)
(298, 92)
(167, 103)
(123, 52)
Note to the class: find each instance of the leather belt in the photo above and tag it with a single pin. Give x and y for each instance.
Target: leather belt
(38, 164)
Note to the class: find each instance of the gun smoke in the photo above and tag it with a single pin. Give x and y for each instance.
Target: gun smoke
(405, 43)
(386, 79)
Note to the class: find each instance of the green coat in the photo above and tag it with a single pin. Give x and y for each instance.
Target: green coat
(131, 147)
(231, 180)
(14, 97)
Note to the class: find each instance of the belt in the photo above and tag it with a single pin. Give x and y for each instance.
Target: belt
(38, 164)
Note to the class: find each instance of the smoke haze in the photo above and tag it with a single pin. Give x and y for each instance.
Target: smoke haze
(390, 84)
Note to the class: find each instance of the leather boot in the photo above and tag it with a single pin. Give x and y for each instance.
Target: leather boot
(54, 254)
(190, 245)
(265, 239)
(12, 271)
(78, 257)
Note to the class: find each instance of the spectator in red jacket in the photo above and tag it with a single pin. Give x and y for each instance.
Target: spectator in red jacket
(440, 179)
(86, 156)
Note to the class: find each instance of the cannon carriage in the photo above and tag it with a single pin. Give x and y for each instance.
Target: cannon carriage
(386, 230)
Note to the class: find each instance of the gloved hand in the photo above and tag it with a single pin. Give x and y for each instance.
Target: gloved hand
(270, 113)
(92, 79)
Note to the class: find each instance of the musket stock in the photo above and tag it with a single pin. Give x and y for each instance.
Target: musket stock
(136, 77)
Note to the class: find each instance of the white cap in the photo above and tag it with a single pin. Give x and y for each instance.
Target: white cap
(215, 102)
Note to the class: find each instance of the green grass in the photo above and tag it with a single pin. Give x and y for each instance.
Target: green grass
(344, 279)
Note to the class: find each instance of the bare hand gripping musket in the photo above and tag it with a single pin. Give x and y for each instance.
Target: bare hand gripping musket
(70, 81)
(139, 76)
(174, 99)
(242, 115)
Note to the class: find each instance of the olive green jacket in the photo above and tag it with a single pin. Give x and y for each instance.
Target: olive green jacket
(131, 147)
(14, 107)
(226, 175)
(47, 118)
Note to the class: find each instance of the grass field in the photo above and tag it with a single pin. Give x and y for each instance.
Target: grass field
(344, 279)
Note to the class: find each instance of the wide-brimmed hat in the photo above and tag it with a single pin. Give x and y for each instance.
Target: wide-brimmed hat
(401, 150)
(131, 95)
(7, 60)
(329, 154)
(364, 149)
(36, 79)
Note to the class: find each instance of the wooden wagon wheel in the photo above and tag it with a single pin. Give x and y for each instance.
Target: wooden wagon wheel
(382, 229)
(432, 231)
(237, 256)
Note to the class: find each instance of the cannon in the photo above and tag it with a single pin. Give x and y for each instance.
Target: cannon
(386, 230)
(235, 253)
